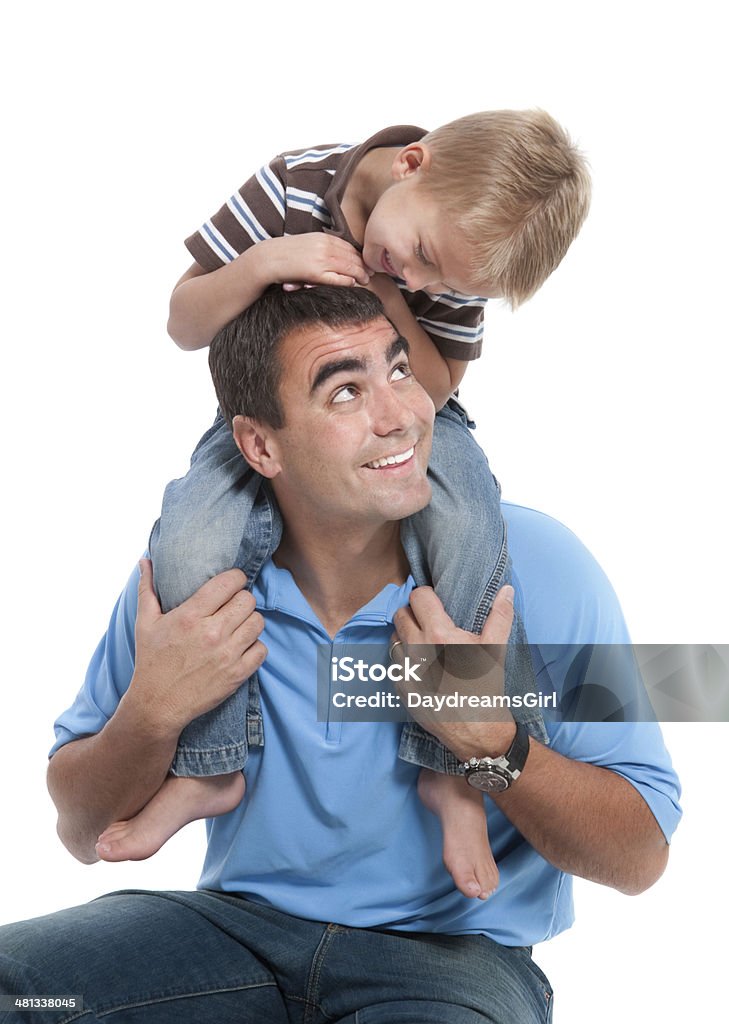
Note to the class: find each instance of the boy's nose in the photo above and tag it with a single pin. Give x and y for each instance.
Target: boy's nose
(417, 278)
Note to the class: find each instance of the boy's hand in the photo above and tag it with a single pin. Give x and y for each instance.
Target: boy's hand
(192, 658)
(313, 258)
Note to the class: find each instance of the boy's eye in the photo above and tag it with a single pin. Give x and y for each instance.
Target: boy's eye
(421, 255)
(401, 372)
(345, 394)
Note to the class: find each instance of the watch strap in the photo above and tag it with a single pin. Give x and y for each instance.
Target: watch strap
(512, 761)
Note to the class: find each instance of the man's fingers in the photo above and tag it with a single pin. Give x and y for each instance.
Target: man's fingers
(252, 659)
(497, 626)
(431, 618)
(216, 593)
(248, 630)
(406, 625)
(425, 620)
(236, 610)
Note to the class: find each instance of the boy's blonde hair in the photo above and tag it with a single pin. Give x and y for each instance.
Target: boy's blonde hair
(517, 187)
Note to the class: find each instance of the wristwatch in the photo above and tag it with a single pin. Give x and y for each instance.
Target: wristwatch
(495, 774)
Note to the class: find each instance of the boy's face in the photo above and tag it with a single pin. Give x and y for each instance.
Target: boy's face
(408, 236)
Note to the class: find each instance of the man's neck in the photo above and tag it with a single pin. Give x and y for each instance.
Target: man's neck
(340, 573)
(370, 178)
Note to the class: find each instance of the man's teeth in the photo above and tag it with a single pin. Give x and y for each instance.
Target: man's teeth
(391, 460)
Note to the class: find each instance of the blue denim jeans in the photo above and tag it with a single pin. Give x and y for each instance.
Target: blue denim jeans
(199, 957)
(223, 514)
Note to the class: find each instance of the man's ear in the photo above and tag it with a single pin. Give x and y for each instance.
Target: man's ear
(256, 442)
(410, 160)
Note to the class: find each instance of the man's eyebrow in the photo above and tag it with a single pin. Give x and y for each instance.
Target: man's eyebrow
(354, 365)
(397, 346)
(328, 370)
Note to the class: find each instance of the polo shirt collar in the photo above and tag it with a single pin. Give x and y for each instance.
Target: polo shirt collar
(276, 590)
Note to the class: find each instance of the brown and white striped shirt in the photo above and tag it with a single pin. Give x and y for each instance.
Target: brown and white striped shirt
(301, 191)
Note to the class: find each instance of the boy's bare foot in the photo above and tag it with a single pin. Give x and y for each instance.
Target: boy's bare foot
(466, 850)
(178, 802)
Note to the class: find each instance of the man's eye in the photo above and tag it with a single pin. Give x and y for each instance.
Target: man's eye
(345, 394)
(401, 372)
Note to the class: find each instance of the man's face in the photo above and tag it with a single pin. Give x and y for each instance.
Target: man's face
(408, 236)
(358, 426)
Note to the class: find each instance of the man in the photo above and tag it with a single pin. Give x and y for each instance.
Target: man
(330, 829)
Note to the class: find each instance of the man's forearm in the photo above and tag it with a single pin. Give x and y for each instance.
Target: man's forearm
(107, 777)
(187, 662)
(587, 821)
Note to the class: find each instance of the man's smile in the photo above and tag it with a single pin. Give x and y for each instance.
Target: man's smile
(391, 460)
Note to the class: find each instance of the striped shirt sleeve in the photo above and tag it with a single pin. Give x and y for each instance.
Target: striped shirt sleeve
(453, 321)
(255, 212)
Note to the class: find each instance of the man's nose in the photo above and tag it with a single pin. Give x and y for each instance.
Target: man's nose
(390, 411)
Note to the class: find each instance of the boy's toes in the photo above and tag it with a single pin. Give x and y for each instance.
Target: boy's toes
(471, 889)
(476, 881)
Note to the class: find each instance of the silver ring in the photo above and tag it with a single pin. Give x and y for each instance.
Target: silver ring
(393, 645)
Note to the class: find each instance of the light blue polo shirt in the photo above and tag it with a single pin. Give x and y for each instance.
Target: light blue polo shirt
(331, 827)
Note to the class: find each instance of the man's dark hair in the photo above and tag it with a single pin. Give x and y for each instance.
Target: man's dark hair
(244, 356)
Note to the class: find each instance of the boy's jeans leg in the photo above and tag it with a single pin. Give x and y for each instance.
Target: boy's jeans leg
(458, 545)
(219, 516)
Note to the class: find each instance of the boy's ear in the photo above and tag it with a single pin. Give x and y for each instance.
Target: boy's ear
(256, 442)
(413, 158)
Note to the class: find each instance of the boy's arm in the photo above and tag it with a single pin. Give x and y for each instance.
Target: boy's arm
(438, 374)
(202, 303)
(248, 245)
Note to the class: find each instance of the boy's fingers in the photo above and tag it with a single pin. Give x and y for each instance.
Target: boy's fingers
(341, 280)
(360, 273)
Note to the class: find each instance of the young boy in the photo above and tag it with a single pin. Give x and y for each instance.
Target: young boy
(435, 224)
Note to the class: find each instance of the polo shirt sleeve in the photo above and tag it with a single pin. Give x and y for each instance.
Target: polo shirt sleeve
(108, 676)
(581, 647)
(255, 212)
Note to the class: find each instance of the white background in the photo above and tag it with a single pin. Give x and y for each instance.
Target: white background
(599, 402)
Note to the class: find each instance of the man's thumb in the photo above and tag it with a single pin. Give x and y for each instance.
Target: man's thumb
(147, 602)
(497, 627)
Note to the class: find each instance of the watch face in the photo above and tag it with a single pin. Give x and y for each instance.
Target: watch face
(487, 780)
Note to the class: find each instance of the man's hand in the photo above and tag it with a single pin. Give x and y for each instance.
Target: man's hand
(461, 664)
(192, 658)
(312, 258)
